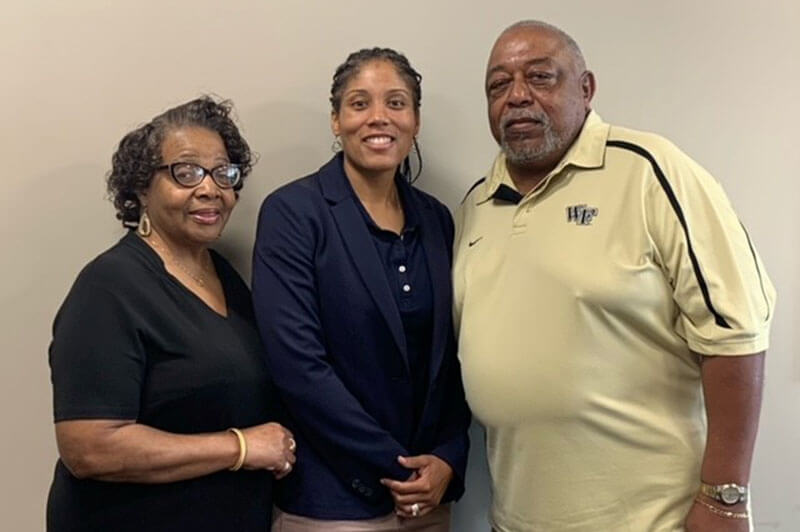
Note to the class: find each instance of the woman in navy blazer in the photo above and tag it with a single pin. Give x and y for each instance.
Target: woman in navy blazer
(352, 293)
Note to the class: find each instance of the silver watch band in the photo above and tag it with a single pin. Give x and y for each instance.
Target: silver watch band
(728, 494)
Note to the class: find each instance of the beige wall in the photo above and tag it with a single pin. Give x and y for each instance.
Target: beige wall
(718, 77)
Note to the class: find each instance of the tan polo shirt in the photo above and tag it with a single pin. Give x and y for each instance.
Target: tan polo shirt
(577, 309)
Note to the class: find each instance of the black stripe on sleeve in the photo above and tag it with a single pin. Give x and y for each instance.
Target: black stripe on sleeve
(673, 200)
(758, 270)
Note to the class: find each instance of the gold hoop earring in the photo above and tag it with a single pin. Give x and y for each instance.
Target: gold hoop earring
(337, 144)
(144, 228)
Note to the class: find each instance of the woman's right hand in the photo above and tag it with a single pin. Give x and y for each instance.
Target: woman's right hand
(270, 446)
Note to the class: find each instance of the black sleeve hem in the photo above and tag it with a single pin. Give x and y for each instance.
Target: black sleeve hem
(94, 413)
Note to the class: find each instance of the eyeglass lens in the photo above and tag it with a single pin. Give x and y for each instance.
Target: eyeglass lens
(189, 174)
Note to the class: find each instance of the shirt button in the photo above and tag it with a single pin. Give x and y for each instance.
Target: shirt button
(406, 288)
(401, 269)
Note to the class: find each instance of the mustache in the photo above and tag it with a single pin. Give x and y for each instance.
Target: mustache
(524, 114)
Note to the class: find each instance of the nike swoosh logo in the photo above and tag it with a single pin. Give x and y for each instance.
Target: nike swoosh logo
(473, 242)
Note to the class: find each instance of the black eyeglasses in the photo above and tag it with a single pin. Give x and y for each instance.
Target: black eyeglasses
(190, 175)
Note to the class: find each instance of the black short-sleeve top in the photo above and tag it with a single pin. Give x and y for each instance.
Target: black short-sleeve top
(131, 342)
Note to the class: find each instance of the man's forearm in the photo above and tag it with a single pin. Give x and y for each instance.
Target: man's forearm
(732, 387)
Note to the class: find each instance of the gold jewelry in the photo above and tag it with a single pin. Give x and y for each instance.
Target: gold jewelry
(197, 278)
(292, 444)
(242, 449)
(722, 513)
(286, 467)
(144, 228)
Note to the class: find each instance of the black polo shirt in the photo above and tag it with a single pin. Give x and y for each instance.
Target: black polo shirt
(403, 260)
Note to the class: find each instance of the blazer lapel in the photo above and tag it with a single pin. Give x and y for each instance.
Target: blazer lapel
(434, 244)
(355, 234)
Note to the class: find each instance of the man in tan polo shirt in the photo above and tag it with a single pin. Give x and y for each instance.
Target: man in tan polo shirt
(612, 313)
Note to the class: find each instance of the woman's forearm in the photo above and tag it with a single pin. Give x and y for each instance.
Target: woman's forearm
(123, 451)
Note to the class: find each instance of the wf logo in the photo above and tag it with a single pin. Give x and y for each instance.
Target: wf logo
(581, 214)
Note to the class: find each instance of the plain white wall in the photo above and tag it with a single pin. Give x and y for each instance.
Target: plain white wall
(717, 77)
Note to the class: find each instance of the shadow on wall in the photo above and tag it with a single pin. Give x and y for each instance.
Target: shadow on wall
(448, 168)
(470, 513)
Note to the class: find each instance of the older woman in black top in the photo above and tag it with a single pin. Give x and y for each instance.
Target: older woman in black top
(161, 397)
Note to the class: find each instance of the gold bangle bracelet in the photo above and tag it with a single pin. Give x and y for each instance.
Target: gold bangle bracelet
(242, 449)
(722, 513)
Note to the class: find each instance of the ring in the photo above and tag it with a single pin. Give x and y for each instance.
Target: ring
(286, 467)
(415, 509)
(292, 444)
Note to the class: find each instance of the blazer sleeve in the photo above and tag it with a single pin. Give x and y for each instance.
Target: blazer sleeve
(453, 439)
(453, 444)
(285, 298)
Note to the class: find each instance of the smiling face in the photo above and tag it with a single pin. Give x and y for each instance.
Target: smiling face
(538, 96)
(194, 216)
(376, 120)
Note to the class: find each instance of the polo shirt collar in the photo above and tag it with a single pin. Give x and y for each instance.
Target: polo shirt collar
(588, 151)
(336, 187)
(409, 209)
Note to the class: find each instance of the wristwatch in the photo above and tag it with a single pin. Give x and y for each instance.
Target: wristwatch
(727, 494)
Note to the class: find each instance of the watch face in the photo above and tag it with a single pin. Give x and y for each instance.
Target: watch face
(729, 495)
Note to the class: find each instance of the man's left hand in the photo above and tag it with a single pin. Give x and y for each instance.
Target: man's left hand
(425, 487)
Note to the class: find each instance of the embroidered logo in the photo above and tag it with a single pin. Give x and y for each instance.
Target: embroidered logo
(581, 214)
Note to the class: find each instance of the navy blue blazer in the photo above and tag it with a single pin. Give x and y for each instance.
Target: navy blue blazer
(335, 346)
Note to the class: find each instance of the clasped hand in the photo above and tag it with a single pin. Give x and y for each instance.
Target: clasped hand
(271, 447)
(425, 487)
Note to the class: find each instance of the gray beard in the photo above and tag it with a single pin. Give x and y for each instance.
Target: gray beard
(520, 152)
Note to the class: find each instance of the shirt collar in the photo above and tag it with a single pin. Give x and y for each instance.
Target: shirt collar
(409, 212)
(588, 151)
